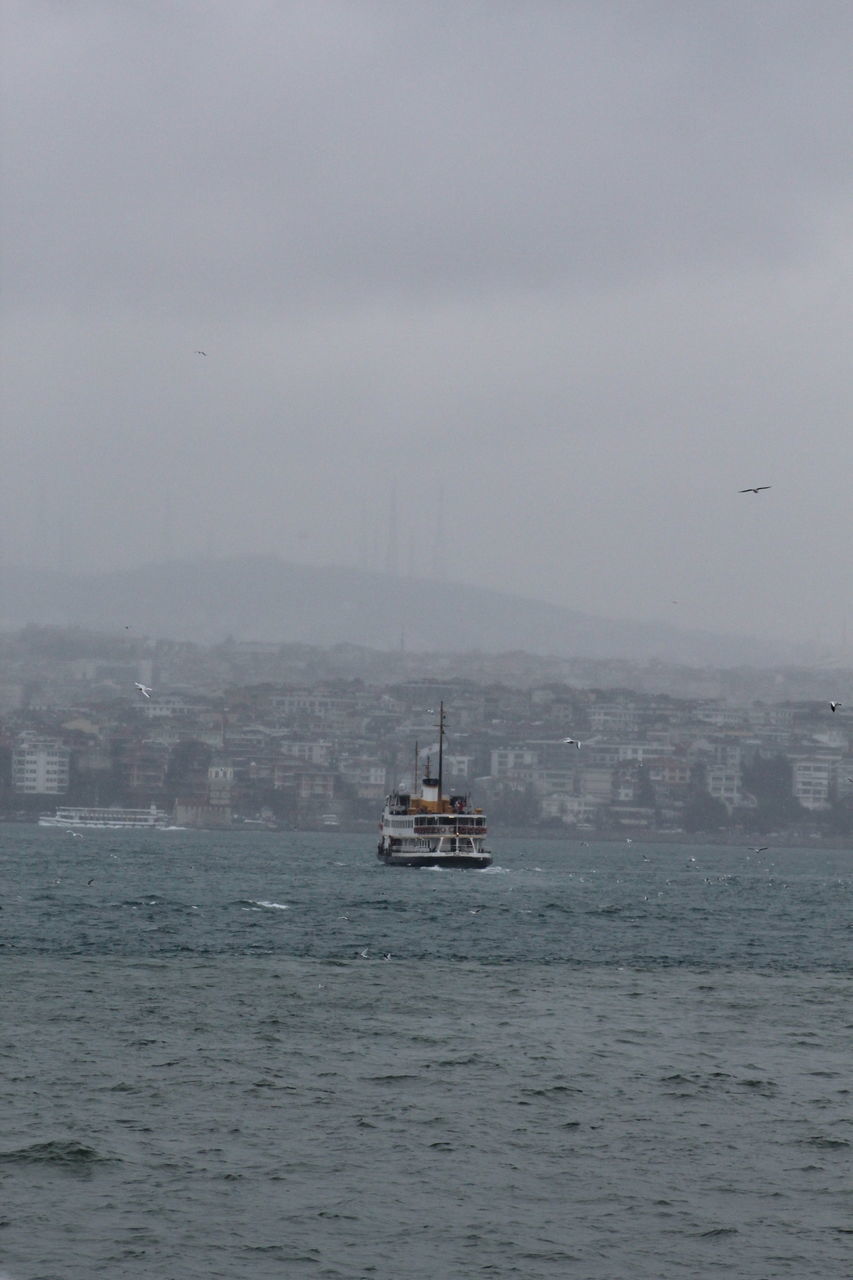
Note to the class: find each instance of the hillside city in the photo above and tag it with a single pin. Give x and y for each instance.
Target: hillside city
(300, 737)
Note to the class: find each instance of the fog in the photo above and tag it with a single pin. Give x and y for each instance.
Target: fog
(516, 294)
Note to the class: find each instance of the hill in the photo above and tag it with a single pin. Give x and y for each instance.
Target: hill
(263, 598)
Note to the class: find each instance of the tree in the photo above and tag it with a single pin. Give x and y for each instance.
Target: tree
(187, 768)
(704, 812)
(770, 779)
(645, 793)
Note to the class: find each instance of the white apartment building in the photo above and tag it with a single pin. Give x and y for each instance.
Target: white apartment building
(319, 752)
(366, 775)
(570, 809)
(40, 766)
(814, 780)
(845, 777)
(220, 783)
(507, 761)
(546, 781)
(458, 766)
(721, 715)
(316, 706)
(724, 783)
(596, 784)
(166, 706)
(613, 717)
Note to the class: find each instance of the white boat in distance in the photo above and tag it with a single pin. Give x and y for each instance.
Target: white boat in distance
(86, 816)
(431, 829)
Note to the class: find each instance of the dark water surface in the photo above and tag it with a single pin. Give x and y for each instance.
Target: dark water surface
(611, 1062)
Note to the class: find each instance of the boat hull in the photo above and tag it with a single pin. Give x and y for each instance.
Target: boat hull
(98, 819)
(474, 861)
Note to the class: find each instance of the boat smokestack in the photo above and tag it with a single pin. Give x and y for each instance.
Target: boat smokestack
(430, 789)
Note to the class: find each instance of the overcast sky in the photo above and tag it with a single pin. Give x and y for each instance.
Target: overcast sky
(525, 291)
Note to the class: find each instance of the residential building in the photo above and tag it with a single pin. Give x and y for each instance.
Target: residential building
(40, 766)
(815, 779)
(510, 762)
(614, 717)
(724, 783)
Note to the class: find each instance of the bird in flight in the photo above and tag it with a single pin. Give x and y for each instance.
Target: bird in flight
(757, 489)
(573, 742)
(201, 353)
(833, 706)
(143, 689)
(761, 848)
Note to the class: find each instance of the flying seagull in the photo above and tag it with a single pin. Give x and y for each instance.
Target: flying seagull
(833, 706)
(201, 353)
(756, 489)
(573, 741)
(143, 689)
(761, 848)
(577, 742)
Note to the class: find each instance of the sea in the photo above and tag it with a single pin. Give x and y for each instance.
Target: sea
(265, 1055)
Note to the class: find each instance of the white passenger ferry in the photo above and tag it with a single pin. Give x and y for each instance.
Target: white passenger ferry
(431, 829)
(81, 816)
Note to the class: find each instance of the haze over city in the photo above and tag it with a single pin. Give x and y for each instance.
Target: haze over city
(521, 295)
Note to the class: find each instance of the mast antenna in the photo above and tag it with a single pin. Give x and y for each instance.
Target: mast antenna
(440, 748)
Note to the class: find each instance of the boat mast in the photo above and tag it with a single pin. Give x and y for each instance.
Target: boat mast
(440, 749)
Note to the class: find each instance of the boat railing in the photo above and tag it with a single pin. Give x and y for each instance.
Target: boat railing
(449, 828)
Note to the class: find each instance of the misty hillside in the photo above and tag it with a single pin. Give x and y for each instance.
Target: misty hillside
(262, 598)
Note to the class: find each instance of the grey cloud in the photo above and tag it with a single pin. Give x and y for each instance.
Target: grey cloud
(329, 150)
(581, 268)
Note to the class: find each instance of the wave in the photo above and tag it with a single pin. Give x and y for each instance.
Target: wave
(261, 904)
(74, 1155)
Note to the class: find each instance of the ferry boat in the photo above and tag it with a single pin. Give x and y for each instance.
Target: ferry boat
(431, 829)
(82, 816)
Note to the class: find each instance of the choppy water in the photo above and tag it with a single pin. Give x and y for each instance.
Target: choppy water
(590, 1063)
